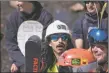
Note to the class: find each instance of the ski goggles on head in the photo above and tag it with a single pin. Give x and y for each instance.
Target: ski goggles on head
(103, 45)
(55, 37)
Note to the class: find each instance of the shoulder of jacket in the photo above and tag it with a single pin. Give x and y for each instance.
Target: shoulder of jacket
(45, 12)
(80, 19)
(13, 14)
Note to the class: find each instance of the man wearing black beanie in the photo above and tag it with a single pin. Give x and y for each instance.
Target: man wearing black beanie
(26, 10)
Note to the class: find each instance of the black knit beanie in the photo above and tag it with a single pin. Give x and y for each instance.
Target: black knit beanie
(36, 10)
(36, 4)
(101, 2)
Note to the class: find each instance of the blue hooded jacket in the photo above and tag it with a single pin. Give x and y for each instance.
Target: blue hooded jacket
(83, 25)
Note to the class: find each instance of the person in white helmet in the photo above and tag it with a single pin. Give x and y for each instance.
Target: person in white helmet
(58, 37)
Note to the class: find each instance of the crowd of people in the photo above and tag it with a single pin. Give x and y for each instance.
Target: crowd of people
(90, 32)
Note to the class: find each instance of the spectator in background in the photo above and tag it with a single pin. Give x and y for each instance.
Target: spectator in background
(13, 4)
(26, 10)
(89, 20)
(64, 12)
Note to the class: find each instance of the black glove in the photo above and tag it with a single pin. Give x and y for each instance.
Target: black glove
(65, 69)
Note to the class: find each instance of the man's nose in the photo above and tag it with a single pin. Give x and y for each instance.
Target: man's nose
(95, 49)
(60, 40)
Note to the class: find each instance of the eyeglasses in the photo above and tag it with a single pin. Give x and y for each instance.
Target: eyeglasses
(55, 37)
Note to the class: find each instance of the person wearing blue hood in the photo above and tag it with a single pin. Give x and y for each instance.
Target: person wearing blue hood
(26, 10)
(91, 19)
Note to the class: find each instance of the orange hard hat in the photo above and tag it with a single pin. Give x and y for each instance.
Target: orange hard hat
(76, 58)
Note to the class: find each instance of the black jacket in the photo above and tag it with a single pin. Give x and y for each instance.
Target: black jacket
(12, 24)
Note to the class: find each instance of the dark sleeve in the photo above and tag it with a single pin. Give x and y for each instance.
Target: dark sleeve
(46, 18)
(79, 70)
(65, 69)
(87, 68)
(11, 41)
(77, 29)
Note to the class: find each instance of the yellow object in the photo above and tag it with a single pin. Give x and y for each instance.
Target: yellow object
(84, 61)
(53, 69)
(103, 9)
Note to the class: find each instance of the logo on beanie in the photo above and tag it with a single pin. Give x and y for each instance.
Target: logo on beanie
(61, 27)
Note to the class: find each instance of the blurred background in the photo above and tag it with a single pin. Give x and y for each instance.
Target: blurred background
(66, 11)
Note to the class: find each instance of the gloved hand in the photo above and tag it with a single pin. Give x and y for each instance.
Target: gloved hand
(65, 69)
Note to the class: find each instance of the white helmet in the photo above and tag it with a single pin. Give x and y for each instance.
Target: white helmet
(57, 27)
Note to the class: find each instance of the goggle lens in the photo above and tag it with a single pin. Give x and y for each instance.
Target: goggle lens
(55, 37)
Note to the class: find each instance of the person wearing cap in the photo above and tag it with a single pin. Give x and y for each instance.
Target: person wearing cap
(98, 39)
(99, 48)
(91, 19)
(58, 37)
(26, 10)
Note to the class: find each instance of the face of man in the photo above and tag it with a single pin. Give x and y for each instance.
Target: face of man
(25, 6)
(59, 43)
(91, 6)
(100, 52)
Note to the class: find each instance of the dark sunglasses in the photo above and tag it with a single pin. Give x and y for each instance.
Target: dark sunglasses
(55, 37)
